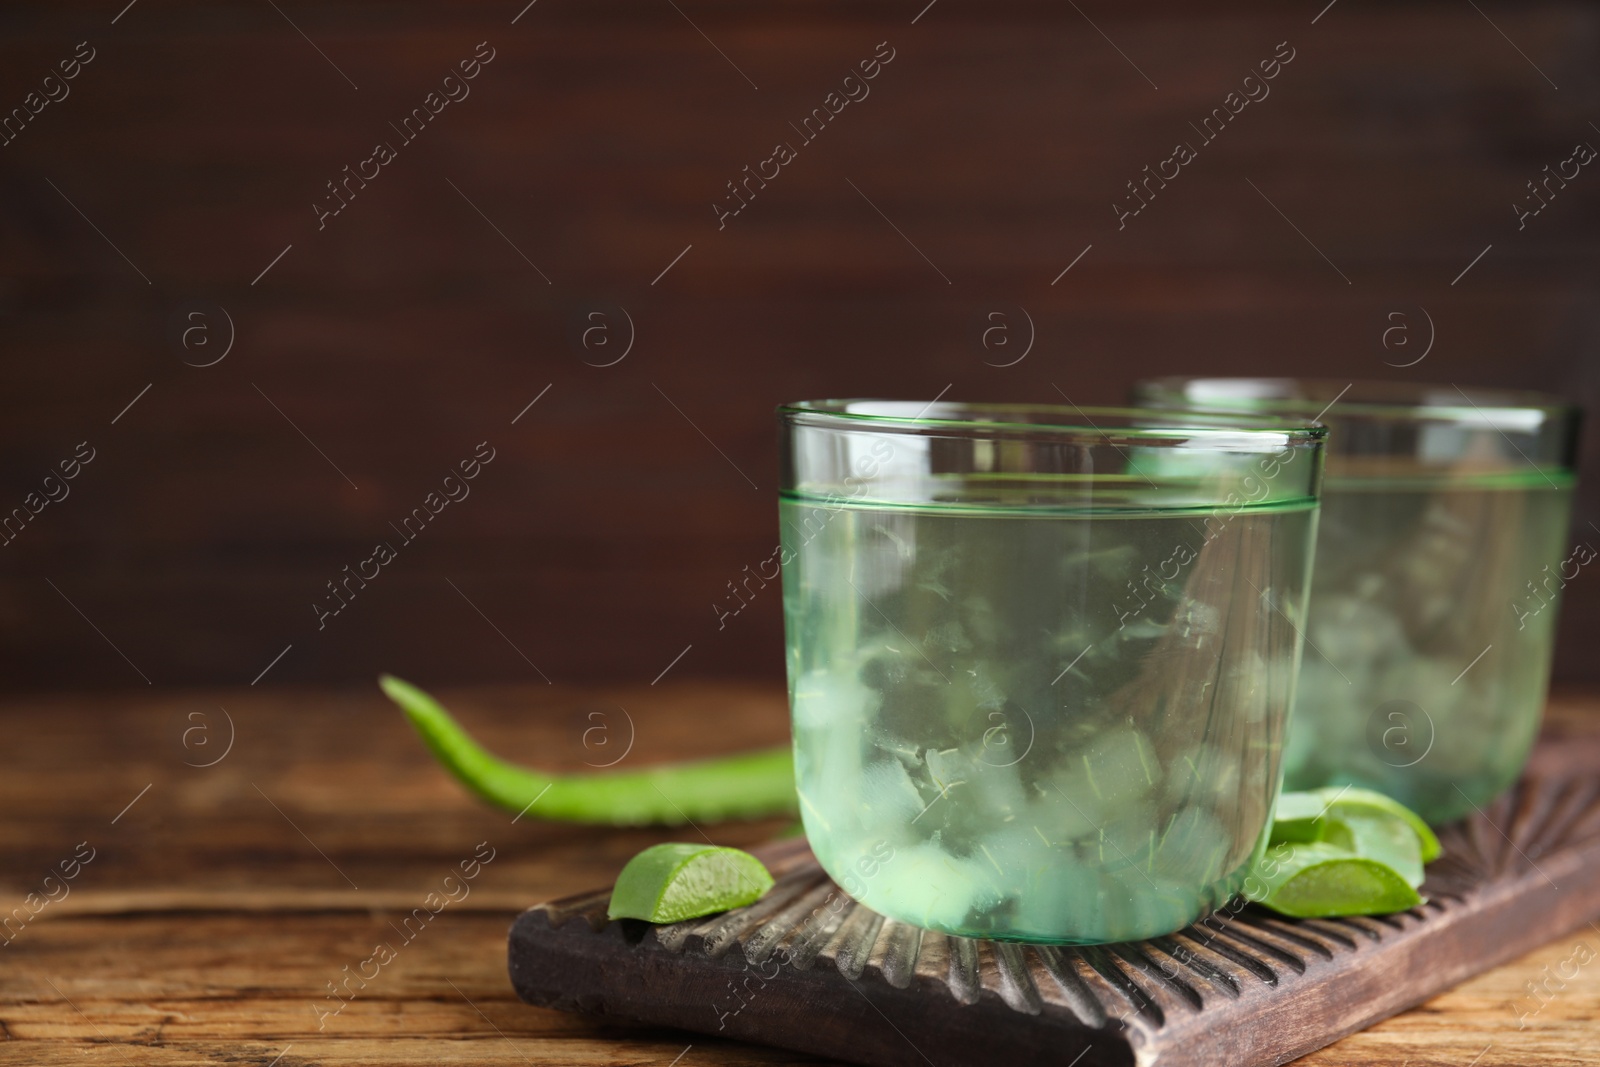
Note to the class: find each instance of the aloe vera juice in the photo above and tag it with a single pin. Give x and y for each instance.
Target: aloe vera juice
(1430, 634)
(1041, 724)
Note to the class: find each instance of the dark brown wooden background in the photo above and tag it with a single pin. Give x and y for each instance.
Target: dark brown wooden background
(599, 539)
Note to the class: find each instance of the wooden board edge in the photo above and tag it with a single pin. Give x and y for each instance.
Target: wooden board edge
(584, 971)
(1508, 918)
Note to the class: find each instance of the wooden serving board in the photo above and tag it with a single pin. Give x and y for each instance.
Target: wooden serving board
(807, 968)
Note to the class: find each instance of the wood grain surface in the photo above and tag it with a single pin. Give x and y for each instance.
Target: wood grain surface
(456, 286)
(220, 904)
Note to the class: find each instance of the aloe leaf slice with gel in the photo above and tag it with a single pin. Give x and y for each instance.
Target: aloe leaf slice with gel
(1342, 851)
(1298, 818)
(1389, 841)
(1304, 816)
(673, 882)
(1314, 881)
(1366, 802)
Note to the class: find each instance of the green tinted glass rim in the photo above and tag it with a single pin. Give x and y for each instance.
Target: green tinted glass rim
(1494, 401)
(1089, 424)
(1522, 480)
(1048, 510)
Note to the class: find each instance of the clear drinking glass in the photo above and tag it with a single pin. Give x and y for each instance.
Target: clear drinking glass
(1440, 562)
(1041, 658)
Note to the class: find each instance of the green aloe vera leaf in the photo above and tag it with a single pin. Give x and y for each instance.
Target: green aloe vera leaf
(746, 786)
(673, 882)
(1389, 841)
(1319, 880)
(1298, 807)
(1298, 818)
(1297, 831)
(1349, 800)
(1307, 816)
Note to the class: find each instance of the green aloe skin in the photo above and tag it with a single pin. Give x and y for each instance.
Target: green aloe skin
(747, 786)
(672, 882)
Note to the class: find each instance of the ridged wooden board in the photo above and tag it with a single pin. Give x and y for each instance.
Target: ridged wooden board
(807, 968)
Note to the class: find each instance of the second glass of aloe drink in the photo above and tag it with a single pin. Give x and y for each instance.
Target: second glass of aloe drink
(1440, 562)
(1041, 658)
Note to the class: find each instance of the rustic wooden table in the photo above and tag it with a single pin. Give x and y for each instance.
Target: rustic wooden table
(211, 906)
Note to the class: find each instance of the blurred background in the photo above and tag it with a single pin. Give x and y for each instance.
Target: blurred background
(273, 360)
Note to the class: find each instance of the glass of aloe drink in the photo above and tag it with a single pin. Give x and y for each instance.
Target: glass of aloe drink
(1442, 553)
(1041, 658)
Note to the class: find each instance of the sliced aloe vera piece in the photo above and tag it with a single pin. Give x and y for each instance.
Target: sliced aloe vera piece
(1299, 807)
(1375, 803)
(1388, 840)
(1297, 830)
(1344, 801)
(1318, 880)
(1298, 817)
(1308, 816)
(673, 882)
